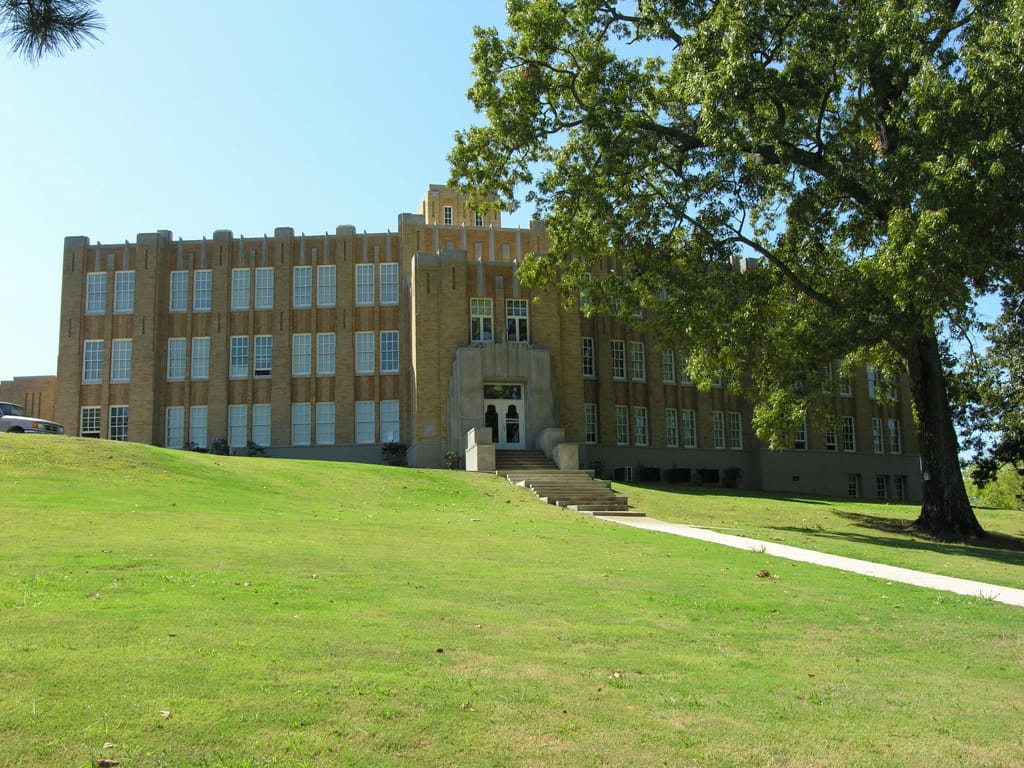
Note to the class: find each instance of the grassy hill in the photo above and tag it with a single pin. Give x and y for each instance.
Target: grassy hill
(162, 608)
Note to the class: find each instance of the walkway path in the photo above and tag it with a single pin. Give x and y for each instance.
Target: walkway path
(1008, 595)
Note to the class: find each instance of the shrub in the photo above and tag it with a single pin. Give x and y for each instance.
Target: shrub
(393, 454)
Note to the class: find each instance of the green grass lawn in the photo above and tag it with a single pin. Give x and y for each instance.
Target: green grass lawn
(162, 608)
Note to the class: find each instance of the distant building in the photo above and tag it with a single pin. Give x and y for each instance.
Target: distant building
(37, 394)
(328, 346)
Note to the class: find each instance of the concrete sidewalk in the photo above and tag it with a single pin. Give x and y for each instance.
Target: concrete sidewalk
(1008, 595)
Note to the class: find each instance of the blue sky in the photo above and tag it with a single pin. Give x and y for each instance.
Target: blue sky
(196, 115)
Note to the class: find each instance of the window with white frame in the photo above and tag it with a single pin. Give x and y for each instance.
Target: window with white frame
(365, 421)
(389, 432)
(481, 320)
(202, 290)
(640, 435)
(325, 354)
(92, 362)
(853, 486)
(447, 215)
(239, 288)
(174, 429)
(117, 428)
(517, 320)
(364, 352)
(689, 428)
(364, 284)
(684, 375)
(197, 425)
(90, 419)
(201, 358)
(590, 423)
(895, 437)
(618, 359)
(264, 288)
(478, 219)
(872, 380)
(845, 383)
(826, 378)
(637, 361)
(671, 428)
(881, 487)
(238, 425)
(621, 425)
(261, 424)
(389, 283)
(300, 423)
(899, 488)
(239, 357)
(389, 351)
(668, 367)
(735, 423)
(877, 438)
(326, 285)
(718, 429)
(176, 359)
(588, 357)
(263, 357)
(849, 434)
(831, 441)
(302, 287)
(800, 436)
(586, 303)
(120, 360)
(301, 354)
(124, 293)
(325, 423)
(178, 301)
(96, 293)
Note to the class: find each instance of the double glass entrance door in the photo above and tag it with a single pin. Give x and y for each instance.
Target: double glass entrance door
(504, 415)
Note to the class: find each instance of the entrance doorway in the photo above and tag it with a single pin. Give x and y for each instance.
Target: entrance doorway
(505, 415)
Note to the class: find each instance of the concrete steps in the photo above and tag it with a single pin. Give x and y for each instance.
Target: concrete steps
(573, 489)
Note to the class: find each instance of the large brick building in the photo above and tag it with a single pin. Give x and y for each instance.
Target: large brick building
(327, 346)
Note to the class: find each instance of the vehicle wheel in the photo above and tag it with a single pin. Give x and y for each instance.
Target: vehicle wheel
(15, 429)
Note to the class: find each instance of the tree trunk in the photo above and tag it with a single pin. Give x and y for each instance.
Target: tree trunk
(946, 513)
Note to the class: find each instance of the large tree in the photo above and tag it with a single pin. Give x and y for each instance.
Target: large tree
(38, 28)
(867, 155)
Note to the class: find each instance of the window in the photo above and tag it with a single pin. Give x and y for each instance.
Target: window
(174, 432)
(671, 428)
(261, 424)
(201, 357)
(684, 375)
(478, 219)
(202, 290)
(640, 436)
(800, 438)
(389, 352)
(300, 423)
(849, 434)
(668, 367)
(96, 293)
(364, 284)
(264, 287)
(120, 360)
(618, 359)
(585, 288)
(590, 423)
(826, 378)
(365, 421)
(877, 439)
(735, 430)
(89, 421)
(853, 486)
(845, 383)
(179, 291)
(621, 425)
(118, 427)
(831, 443)
(239, 357)
(899, 488)
(447, 215)
(124, 292)
(364, 352)
(588, 357)
(389, 283)
(263, 359)
(237, 425)
(517, 320)
(481, 320)
(718, 429)
(302, 287)
(637, 361)
(301, 354)
(689, 428)
(325, 423)
(389, 421)
(239, 289)
(325, 354)
(895, 439)
(92, 362)
(176, 359)
(881, 487)
(871, 381)
(326, 285)
(197, 419)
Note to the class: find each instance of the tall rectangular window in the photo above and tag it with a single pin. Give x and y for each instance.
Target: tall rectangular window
(263, 357)
(239, 289)
(89, 421)
(478, 219)
(590, 423)
(197, 421)
(881, 487)
(872, 380)
(117, 429)
(389, 432)
(238, 425)
(92, 362)
(389, 351)
(179, 291)
(637, 361)
(239, 357)
(365, 421)
(325, 357)
(689, 428)
(481, 320)
(174, 429)
(261, 424)
(588, 357)
(877, 438)
(302, 287)
(668, 367)
(201, 358)
(202, 290)
(301, 345)
(96, 293)
(853, 486)
(120, 360)
(640, 436)
(447, 215)
(671, 428)
(826, 378)
(618, 359)
(325, 423)
(326, 285)
(899, 488)
(364, 284)
(895, 438)
(300, 423)
(364, 352)
(849, 434)
(389, 283)
(176, 359)
(621, 425)
(845, 383)
(735, 430)
(264, 287)
(517, 321)
(124, 292)
(800, 437)
(831, 441)
(718, 429)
